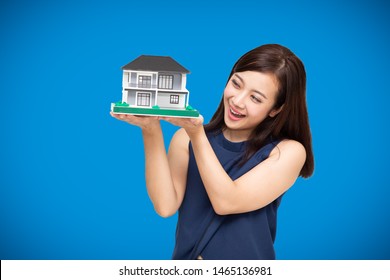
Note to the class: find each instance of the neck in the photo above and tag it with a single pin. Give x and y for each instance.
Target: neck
(236, 135)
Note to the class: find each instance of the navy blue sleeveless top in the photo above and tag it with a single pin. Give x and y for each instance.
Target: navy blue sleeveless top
(200, 231)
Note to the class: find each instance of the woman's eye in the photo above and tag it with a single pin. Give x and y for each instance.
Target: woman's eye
(255, 99)
(235, 84)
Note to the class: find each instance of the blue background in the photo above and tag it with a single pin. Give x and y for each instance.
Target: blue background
(71, 177)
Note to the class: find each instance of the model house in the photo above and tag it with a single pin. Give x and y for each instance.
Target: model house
(157, 83)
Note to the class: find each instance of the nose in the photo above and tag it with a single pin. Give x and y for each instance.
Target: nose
(238, 100)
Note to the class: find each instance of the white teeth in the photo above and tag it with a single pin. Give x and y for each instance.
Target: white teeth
(235, 113)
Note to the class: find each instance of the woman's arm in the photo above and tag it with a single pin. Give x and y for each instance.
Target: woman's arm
(255, 189)
(165, 175)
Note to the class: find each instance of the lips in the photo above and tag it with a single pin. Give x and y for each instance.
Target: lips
(235, 115)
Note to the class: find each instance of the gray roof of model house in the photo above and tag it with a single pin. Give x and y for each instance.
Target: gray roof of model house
(155, 63)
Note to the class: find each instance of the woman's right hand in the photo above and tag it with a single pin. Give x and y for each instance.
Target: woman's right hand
(144, 122)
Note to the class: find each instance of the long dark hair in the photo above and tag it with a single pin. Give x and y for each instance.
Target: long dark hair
(292, 122)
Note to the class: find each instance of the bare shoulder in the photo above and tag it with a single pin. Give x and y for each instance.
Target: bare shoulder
(180, 139)
(181, 135)
(289, 150)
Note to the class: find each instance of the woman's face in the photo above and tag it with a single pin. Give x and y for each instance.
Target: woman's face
(249, 98)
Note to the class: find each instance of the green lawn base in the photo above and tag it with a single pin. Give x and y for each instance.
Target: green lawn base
(123, 109)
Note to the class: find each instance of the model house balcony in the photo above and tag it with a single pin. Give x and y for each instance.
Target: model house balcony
(152, 87)
(140, 86)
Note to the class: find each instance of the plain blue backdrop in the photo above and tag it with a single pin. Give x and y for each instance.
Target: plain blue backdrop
(71, 177)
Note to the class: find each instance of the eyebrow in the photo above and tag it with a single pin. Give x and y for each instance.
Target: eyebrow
(242, 80)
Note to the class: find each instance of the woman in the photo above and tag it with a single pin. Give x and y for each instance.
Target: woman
(227, 178)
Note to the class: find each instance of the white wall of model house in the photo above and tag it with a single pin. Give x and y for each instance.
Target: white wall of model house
(165, 89)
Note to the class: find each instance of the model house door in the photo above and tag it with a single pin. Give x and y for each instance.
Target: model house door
(143, 99)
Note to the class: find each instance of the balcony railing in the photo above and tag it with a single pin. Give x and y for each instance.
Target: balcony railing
(153, 87)
(135, 85)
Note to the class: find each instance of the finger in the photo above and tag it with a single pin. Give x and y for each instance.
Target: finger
(167, 119)
(116, 116)
(197, 121)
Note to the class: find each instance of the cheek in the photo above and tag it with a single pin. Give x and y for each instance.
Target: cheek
(258, 113)
(226, 97)
(228, 92)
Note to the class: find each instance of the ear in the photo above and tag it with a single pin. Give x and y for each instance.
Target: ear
(274, 112)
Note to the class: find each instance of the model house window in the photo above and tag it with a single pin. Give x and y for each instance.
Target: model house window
(165, 81)
(144, 81)
(174, 99)
(143, 99)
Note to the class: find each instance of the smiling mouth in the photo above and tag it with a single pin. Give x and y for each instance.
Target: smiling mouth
(236, 114)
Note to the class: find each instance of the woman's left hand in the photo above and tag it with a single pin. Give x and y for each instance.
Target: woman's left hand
(191, 125)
